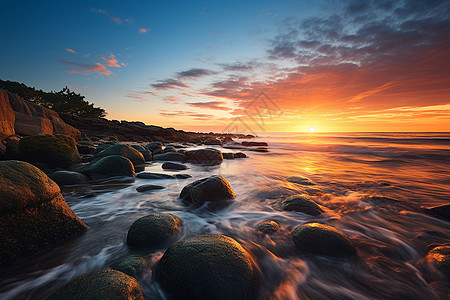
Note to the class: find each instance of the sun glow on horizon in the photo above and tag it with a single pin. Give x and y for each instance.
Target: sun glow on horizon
(312, 129)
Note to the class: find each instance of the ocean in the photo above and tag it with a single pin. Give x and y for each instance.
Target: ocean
(372, 186)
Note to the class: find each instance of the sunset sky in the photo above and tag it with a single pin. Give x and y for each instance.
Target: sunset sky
(199, 65)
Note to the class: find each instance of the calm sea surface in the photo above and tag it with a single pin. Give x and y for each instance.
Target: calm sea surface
(392, 234)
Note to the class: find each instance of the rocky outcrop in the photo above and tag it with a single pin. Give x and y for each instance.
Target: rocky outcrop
(33, 213)
(32, 119)
(7, 117)
(103, 284)
(207, 267)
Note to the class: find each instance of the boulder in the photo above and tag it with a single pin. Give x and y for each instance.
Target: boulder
(154, 231)
(149, 175)
(149, 187)
(213, 189)
(207, 156)
(7, 117)
(173, 166)
(213, 141)
(228, 155)
(300, 180)
(440, 258)
(267, 227)
(207, 267)
(170, 156)
(127, 151)
(155, 147)
(33, 213)
(146, 153)
(110, 166)
(86, 148)
(132, 265)
(33, 119)
(321, 239)
(441, 211)
(67, 177)
(182, 176)
(55, 150)
(102, 284)
(169, 149)
(103, 146)
(12, 147)
(240, 155)
(301, 203)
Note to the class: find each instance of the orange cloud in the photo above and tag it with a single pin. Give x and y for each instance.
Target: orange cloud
(112, 61)
(70, 50)
(87, 69)
(144, 30)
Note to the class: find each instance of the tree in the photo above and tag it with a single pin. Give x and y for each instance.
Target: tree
(64, 101)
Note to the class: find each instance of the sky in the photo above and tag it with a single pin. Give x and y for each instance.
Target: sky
(240, 66)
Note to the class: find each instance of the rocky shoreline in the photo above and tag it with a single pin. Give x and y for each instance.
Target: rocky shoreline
(42, 153)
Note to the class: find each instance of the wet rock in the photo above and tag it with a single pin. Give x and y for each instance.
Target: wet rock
(182, 176)
(441, 211)
(132, 265)
(169, 149)
(127, 151)
(207, 267)
(34, 215)
(109, 166)
(173, 166)
(86, 148)
(12, 147)
(155, 147)
(170, 156)
(228, 155)
(213, 189)
(149, 175)
(55, 150)
(268, 227)
(146, 153)
(440, 258)
(207, 156)
(103, 146)
(254, 144)
(261, 149)
(321, 239)
(240, 155)
(102, 284)
(301, 203)
(149, 187)
(154, 231)
(68, 177)
(87, 158)
(300, 180)
(213, 141)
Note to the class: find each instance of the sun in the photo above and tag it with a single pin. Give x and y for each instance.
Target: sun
(311, 129)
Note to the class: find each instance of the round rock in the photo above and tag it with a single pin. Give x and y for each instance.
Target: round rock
(109, 166)
(207, 267)
(67, 177)
(322, 239)
(103, 284)
(173, 166)
(268, 227)
(301, 203)
(132, 265)
(154, 230)
(124, 150)
(213, 189)
(440, 258)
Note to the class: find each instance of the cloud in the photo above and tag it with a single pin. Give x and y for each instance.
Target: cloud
(144, 30)
(71, 51)
(169, 83)
(190, 114)
(87, 69)
(115, 19)
(218, 105)
(111, 62)
(195, 73)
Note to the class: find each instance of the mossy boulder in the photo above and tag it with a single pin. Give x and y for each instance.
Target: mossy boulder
(212, 189)
(146, 153)
(33, 213)
(110, 166)
(207, 267)
(154, 231)
(55, 150)
(68, 177)
(103, 284)
(440, 258)
(301, 203)
(208, 156)
(127, 151)
(267, 227)
(132, 265)
(321, 239)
